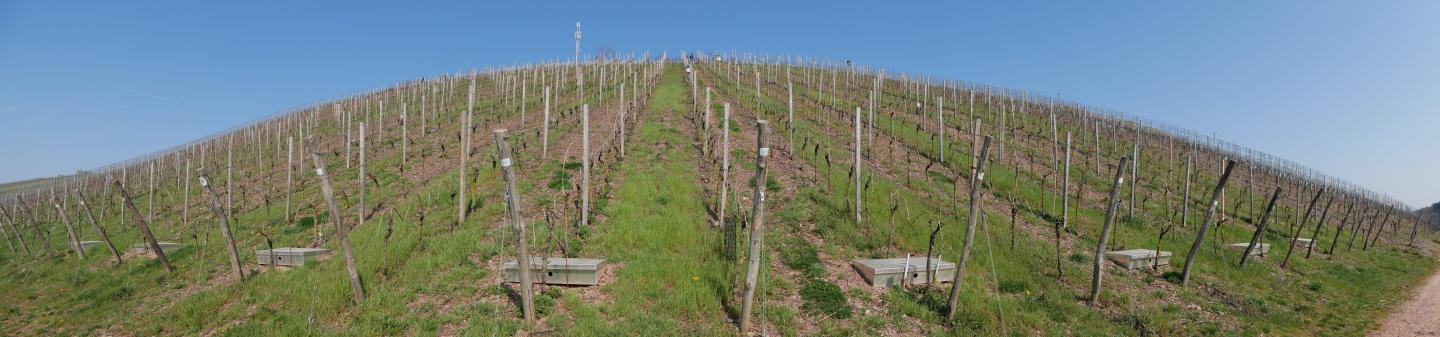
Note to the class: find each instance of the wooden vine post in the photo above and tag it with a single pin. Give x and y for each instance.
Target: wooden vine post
(1185, 200)
(1320, 222)
(340, 230)
(622, 119)
(74, 240)
(705, 133)
(517, 225)
(18, 236)
(789, 108)
(144, 227)
(1299, 229)
(1205, 224)
(757, 227)
(939, 128)
(462, 205)
(360, 217)
(404, 135)
(289, 174)
(40, 235)
(235, 267)
(859, 205)
(545, 128)
(101, 230)
(150, 207)
(724, 161)
(1344, 221)
(1099, 257)
(976, 181)
(1064, 211)
(1260, 229)
(585, 165)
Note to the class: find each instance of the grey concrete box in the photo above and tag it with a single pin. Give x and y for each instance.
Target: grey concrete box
(88, 244)
(1136, 258)
(142, 248)
(1304, 243)
(557, 270)
(290, 256)
(897, 271)
(1260, 248)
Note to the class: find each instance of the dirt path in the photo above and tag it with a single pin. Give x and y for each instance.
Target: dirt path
(1417, 316)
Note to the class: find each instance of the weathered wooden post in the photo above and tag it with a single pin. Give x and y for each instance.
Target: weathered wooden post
(74, 240)
(517, 225)
(939, 128)
(622, 119)
(1064, 210)
(1344, 221)
(101, 230)
(790, 110)
(289, 174)
(1315, 235)
(859, 205)
(757, 227)
(585, 165)
(224, 227)
(1205, 224)
(150, 209)
(229, 174)
(976, 181)
(9, 242)
(706, 132)
(1260, 229)
(185, 199)
(724, 161)
(1185, 200)
(360, 217)
(1414, 230)
(1301, 228)
(1374, 227)
(18, 236)
(1099, 257)
(144, 228)
(463, 204)
(545, 128)
(340, 230)
(404, 135)
(975, 135)
(40, 235)
(1134, 174)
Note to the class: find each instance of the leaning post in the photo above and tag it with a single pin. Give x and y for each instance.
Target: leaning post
(517, 225)
(976, 181)
(1205, 224)
(1264, 220)
(144, 228)
(224, 226)
(757, 229)
(1105, 230)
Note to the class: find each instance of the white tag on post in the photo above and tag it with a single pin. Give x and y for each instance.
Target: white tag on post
(319, 171)
(764, 152)
(505, 162)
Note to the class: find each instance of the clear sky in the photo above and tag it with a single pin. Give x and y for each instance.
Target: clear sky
(1351, 88)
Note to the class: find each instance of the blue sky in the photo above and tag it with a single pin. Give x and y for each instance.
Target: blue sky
(1351, 88)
